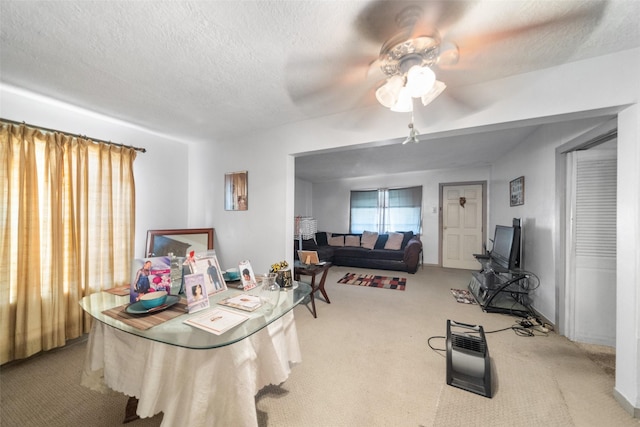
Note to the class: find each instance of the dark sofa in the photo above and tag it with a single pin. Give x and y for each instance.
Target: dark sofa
(406, 258)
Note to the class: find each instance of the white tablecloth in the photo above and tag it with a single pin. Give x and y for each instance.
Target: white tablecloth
(214, 387)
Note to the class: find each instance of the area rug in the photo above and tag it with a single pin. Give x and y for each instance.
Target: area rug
(374, 281)
(463, 296)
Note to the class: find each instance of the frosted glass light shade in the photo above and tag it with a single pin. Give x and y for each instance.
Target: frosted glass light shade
(437, 89)
(404, 104)
(420, 80)
(387, 94)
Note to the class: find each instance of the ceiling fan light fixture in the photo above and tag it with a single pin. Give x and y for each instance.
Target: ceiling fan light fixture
(388, 93)
(420, 80)
(409, 75)
(437, 89)
(404, 104)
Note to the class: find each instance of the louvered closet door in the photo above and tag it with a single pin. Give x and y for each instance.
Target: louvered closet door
(595, 246)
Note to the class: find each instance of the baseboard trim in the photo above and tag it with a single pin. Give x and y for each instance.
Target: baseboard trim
(626, 405)
(72, 341)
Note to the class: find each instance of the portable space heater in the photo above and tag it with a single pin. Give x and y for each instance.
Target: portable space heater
(468, 364)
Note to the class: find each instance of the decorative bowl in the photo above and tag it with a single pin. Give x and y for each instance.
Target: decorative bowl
(153, 299)
(232, 274)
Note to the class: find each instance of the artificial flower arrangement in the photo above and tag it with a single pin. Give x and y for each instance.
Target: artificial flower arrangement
(279, 266)
(284, 278)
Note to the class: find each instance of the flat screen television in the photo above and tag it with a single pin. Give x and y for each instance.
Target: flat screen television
(506, 247)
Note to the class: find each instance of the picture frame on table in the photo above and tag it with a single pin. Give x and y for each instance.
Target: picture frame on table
(206, 263)
(247, 276)
(195, 291)
(516, 191)
(149, 275)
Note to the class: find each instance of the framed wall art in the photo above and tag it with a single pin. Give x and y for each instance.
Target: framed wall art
(236, 189)
(516, 191)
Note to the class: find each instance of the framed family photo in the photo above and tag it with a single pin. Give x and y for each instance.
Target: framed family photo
(516, 191)
(207, 264)
(149, 275)
(236, 188)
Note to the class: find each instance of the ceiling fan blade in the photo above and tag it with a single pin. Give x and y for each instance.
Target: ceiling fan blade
(489, 53)
(379, 21)
(322, 87)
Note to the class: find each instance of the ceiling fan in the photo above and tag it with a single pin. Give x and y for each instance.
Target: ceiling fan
(406, 33)
(428, 49)
(407, 60)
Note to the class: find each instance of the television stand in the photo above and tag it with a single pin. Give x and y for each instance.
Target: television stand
(498, 290)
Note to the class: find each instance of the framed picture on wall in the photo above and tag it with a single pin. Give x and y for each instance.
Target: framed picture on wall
(236, 189)
(516, 191)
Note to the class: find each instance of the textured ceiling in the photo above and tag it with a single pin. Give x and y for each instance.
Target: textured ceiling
(202, 70)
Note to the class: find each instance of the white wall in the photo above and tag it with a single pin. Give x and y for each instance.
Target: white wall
(627, 388)
(256, 234)
(331, 199)
(534, 159)
(304, 198)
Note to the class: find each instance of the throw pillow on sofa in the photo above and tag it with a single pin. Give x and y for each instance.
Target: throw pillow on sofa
(321, 238)
(408, 235)
(369, 239)
(336, 240)
(394, 242)
(352, 241)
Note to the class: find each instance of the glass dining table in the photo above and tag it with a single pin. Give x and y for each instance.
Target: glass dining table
(192, 376)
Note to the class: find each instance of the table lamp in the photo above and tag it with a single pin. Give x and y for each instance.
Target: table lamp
(306, 228)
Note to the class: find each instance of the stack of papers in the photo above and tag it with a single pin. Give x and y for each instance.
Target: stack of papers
(217, 321)
(243, 302)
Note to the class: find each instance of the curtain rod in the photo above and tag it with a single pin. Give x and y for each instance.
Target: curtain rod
(142, 150)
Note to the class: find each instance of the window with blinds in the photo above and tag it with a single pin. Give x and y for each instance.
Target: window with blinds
(385, 210)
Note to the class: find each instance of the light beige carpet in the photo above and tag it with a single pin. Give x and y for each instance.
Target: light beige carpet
(513, 401)
(45, 391)
(366, 362)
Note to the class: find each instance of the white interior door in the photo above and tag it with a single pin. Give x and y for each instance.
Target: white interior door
(591, 269)
(461, 225)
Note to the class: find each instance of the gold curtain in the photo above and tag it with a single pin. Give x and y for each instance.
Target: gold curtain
(66, 230)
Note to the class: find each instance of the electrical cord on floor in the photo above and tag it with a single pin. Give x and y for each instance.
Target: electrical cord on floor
(523, 328)
(434, 348)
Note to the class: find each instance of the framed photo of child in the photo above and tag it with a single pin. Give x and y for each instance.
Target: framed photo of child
(247, 276)
(195, 290)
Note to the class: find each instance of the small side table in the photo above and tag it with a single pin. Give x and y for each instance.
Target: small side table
(313, 270)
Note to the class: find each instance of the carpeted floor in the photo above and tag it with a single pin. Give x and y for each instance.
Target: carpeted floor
(366, 363)
(373, 281)
(515, 406)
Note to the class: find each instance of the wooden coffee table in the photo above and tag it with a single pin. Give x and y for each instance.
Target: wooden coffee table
(313, 270)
